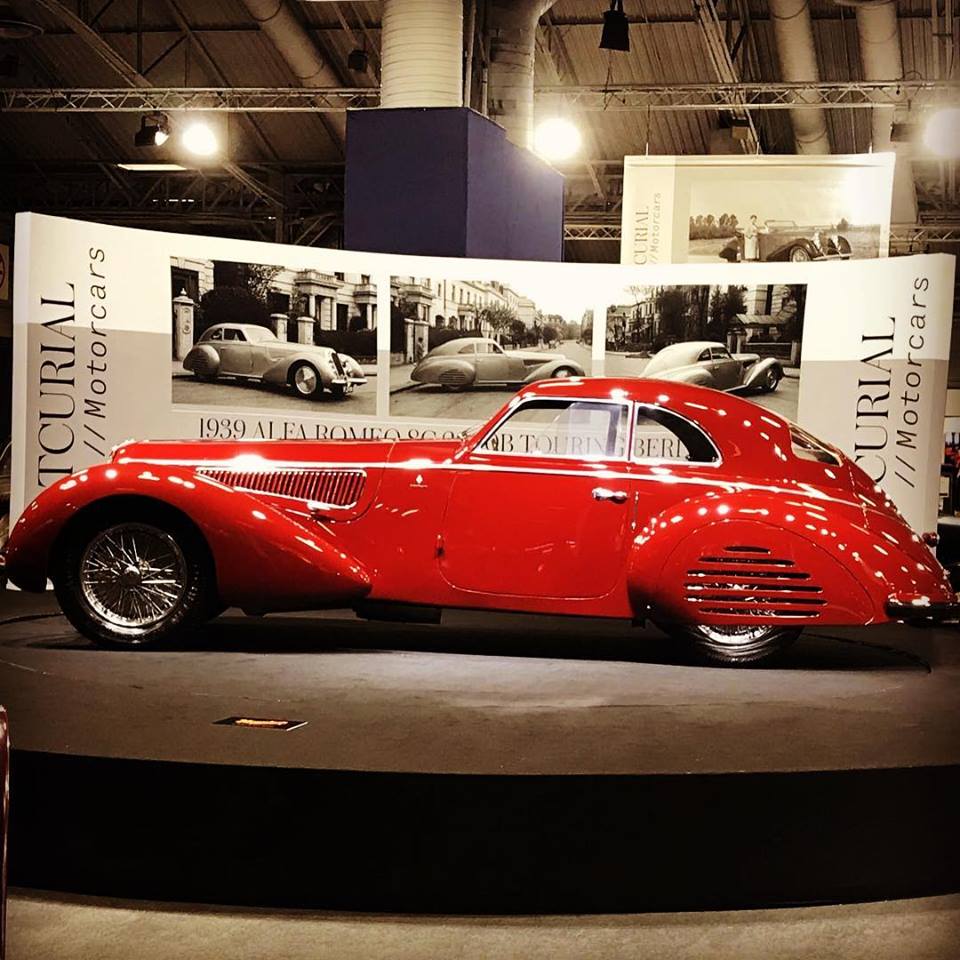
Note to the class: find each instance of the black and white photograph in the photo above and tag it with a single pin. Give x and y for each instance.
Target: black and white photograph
(252, 336)
(460, 348)
(795, 214)
(740, 338)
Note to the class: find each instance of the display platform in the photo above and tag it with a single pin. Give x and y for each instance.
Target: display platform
(488, 764)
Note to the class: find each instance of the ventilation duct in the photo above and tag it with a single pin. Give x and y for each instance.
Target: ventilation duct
(297, 48)
(512, 26)
(421, 53)
(793, 31)
(879, 32)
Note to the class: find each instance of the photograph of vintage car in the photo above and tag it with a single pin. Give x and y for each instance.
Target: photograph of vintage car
(478, 361)
(785, 211)
(259, 337)
(785, 240)
(726, 525)
(248, 352)
(743, 338)
(712, 365)
(458, 345)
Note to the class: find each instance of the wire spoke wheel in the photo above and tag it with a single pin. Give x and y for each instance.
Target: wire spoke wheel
(133, 576)
(736, 643)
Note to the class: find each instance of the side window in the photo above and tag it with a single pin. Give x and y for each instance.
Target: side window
(216, 335)
(562, 428)
(495, 348)
(721, 353)
(467, 349)
(661, 435)
(703, 356)
(236, 335)
(808, 447)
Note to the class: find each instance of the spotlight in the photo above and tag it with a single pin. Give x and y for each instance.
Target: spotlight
(616, 28)
(556, 139)
(152, 132)
(942, 133)
(357, 61)
(200, 139)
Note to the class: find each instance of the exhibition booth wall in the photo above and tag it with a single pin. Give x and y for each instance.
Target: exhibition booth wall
(121, 333)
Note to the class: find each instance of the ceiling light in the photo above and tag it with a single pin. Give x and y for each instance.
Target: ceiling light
(616, 28)
(357, 61)
(152, 132)
(13, 27)
(556, 139)
(199, 138)
(942, 133)
(151, 167)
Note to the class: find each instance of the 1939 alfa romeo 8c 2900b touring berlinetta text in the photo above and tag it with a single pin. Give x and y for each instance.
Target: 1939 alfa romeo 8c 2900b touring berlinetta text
(643, 499)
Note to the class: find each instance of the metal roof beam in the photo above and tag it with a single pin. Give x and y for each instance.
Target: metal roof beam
(760, 95)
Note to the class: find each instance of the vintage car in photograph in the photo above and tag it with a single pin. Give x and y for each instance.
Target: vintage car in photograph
(246, 351)
(474, 361)
(712, 365)
(785, 240)
(721, 522)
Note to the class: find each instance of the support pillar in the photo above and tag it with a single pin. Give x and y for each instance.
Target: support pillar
(182, 325)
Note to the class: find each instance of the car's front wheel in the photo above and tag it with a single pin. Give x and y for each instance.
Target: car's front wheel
(563, 373)
(132, 576)
(735, 644)
(305, 380)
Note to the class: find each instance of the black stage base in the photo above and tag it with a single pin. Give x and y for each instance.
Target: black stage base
(504, 765)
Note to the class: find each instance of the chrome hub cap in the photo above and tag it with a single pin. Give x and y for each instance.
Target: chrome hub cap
(305, 380)
(133, 576)
(735, 636)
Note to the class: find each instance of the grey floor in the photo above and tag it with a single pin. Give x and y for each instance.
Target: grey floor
(43, 927)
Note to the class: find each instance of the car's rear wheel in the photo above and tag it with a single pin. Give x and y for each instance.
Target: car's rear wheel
(799, 254)
(305, 380)
(132, 576)
(771, 380)
(736, 644)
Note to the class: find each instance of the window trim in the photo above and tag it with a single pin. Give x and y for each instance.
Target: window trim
(639, 406)
(629, 404)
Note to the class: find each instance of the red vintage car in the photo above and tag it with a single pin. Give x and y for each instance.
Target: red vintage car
(625, 498)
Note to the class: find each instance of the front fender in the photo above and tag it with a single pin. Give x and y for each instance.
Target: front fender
(279, 371)
(265, 559)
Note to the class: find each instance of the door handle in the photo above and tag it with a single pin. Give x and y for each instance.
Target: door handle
(615, 496)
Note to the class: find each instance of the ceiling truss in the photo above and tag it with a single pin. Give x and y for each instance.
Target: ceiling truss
(739, 96)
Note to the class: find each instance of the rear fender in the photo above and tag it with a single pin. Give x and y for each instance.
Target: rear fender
(202, 360)
(264, 559)
(757, 372)
(784, 560)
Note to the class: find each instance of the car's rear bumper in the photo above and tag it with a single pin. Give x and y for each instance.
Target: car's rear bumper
(917, 611)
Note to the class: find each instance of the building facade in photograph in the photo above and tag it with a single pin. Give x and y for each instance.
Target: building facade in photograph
(657, 316)
(300, 303)
(463, 305)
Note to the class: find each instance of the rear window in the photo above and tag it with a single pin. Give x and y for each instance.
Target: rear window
(807, 447)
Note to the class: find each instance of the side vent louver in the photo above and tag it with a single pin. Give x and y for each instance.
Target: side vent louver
(338, 488)
(749, 581)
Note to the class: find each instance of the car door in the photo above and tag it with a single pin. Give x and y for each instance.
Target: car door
(493, 365)
(727, 371)
(235, 355)
(541, 506)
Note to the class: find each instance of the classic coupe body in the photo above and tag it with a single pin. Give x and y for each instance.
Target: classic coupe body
(622, 498)
(786, 240)
(249, 352)
(712, 365)
(474, 361)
